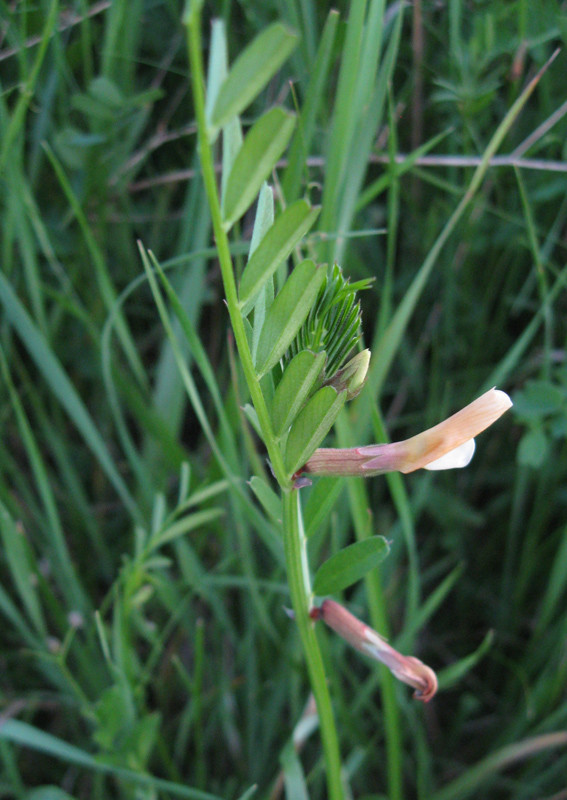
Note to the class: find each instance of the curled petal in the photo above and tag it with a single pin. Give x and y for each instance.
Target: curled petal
(408, 669)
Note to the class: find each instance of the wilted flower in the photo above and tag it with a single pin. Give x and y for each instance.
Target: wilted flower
(448, 445)
(408, 669)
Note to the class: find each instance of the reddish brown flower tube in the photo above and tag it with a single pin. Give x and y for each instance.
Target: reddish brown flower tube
(408, 669)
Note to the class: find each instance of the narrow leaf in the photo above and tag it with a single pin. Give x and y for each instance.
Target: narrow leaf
(218, 64)
(294, 777)
(16, 554)
(269, 500)
(50, 367)
(287, 231)
(469, 782)
(250, 792)
(288, 313)
(262, 223)
(232, 131)
(455, 672)
(28, 736)
(231, 143)
(262, 147)
(48, 793)
(18, 117)
(252, 418)
(251, 72)
(264, 218)
(184, 525)
(315, 96)
(294, 388)
(350, 565)
(311, 426)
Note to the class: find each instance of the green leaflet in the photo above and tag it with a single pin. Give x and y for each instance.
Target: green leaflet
(231, 144)
(264, 218)
(263, 145)
(218, 70)
(538, 398)
(333, 324)
(287, 231)
(288, 313)
(218, 64)
(311, 426)
(294, 388)
(350, 565)
(251, 72)
(533, 448)
(262, 224)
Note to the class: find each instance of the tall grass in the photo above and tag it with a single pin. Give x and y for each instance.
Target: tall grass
(145, 647)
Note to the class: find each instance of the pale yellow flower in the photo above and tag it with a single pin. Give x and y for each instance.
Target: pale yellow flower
(448, 445)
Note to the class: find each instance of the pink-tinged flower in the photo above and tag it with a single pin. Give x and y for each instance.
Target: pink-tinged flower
(448, 445)
(408, 669)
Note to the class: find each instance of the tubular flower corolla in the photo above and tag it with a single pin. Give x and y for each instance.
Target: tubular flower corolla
(448, 445)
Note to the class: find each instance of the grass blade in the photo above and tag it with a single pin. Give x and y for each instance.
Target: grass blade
(50, 367)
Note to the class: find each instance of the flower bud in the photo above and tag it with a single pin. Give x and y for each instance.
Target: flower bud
(352, 376)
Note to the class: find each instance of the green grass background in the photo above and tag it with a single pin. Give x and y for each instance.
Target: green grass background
(145, 651)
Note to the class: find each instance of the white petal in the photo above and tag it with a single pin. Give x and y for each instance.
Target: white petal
(454, 459)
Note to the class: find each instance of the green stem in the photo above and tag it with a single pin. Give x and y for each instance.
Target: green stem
(294, 538)
(295, 555)
(223, 248)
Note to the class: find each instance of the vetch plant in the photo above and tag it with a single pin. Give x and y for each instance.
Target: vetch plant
(295, 332)
(144, 537)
